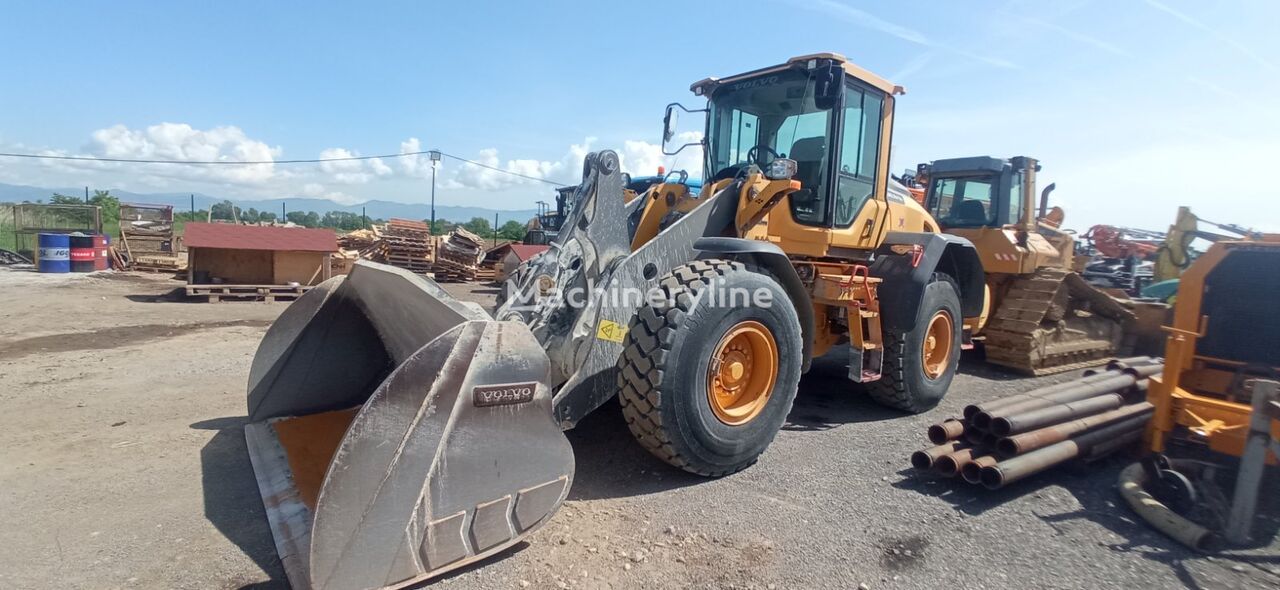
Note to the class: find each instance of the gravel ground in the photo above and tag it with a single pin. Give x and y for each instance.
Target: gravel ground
(121, 415)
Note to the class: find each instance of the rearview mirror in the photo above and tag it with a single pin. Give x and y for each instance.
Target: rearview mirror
(669, 123)
(828, 85)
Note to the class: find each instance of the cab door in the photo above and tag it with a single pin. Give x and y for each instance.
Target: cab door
(857, 207)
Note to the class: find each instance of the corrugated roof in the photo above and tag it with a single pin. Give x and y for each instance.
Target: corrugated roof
(257, 237)
(527, 251)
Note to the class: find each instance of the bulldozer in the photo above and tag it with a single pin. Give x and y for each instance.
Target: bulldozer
(1041, 317)
(397, 433)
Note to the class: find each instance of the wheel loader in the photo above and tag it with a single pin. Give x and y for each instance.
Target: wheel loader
(1041, 317)
(397, 433)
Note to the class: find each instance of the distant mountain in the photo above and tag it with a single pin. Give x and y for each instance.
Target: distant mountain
(375, 209)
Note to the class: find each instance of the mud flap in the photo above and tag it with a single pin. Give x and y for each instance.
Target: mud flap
(438, 450)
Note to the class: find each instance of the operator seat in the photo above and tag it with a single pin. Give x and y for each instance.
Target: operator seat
(968, 212)
(810, 154)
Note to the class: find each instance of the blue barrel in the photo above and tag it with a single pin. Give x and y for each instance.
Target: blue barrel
(54, 253)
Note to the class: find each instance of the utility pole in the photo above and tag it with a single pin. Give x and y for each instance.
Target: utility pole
(193, 206)
(435, 161)
(495, 230)
(86, 195)
(283, 216)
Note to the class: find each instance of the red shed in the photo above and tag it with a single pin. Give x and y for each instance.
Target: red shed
(259, 256)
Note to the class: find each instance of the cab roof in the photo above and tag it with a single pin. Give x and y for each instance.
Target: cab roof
(703, 87)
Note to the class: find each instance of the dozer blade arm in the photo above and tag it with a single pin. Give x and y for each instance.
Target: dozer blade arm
(399, 433)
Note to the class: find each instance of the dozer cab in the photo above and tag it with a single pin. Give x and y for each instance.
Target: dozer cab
(1041, 316)
(397, 433)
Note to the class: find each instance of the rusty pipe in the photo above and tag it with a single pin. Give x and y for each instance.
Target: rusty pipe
(1107, 447)
(1075, 390)
(1036, 439)
(972, 412)
(972, 471)
(1056, 414)
(924, 460)
(1020, 467)
(950, 465)
(949, 429)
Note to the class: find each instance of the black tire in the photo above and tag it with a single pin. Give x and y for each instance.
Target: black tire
(903, 383)
(663, 370)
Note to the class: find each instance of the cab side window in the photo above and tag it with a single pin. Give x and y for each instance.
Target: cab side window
(859, 153)
(1015, 200)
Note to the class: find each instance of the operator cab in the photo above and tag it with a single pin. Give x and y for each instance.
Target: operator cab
(818, 119)
(974, 192)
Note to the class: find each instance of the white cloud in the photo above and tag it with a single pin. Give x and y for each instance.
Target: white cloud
(181, 142)
(351, 171)
(415, 165)
(641, 158)
(489, 172)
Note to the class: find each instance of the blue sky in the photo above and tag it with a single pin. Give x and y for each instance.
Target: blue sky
(1133, 106)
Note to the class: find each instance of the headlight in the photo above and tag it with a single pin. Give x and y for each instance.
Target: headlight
(781, 169)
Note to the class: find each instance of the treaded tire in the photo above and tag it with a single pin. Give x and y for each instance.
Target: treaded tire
(662, 374)
(903, 384)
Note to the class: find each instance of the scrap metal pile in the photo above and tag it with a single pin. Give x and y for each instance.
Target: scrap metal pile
(1005, 440)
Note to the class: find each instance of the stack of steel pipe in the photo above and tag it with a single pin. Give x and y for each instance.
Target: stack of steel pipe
(1004, 440)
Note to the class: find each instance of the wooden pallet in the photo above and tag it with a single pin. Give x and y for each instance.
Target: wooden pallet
(264, 293)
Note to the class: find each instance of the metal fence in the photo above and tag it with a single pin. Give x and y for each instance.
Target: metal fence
(29, 219)
(7, 238)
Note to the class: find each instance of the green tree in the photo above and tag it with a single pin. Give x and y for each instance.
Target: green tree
(225, 210)
(441, 227)
(512, 230)
(266, 216)
(110, 206)
(252, 215)
(479, 226)
(61, 199)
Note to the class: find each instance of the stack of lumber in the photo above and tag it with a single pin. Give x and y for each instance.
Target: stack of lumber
(407, 244)
(459, 255)
(360, 239)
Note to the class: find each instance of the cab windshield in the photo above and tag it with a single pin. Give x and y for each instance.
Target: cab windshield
(773, 115)
(973, 201)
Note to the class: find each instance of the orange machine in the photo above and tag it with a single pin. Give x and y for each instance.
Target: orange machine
(1225, 333)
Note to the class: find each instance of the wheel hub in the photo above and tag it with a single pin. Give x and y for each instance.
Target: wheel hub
(742, 373)
(936, 349)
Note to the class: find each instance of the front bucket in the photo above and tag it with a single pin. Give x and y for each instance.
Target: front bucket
(397, 433)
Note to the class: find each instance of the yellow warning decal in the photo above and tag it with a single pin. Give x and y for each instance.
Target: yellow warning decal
(611, 331)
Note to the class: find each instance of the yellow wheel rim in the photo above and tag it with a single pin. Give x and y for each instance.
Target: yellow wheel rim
(938, 339)
(743, 370)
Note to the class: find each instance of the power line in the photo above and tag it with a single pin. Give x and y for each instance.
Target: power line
(460, 159)
(261, 162)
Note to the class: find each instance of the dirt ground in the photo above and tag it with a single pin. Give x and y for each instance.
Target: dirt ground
(124, 466)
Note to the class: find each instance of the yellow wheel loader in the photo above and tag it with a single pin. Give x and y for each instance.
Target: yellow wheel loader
(397, 433)
(1041, 317)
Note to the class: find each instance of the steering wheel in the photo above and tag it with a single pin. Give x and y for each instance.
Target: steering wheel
(753, 154)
